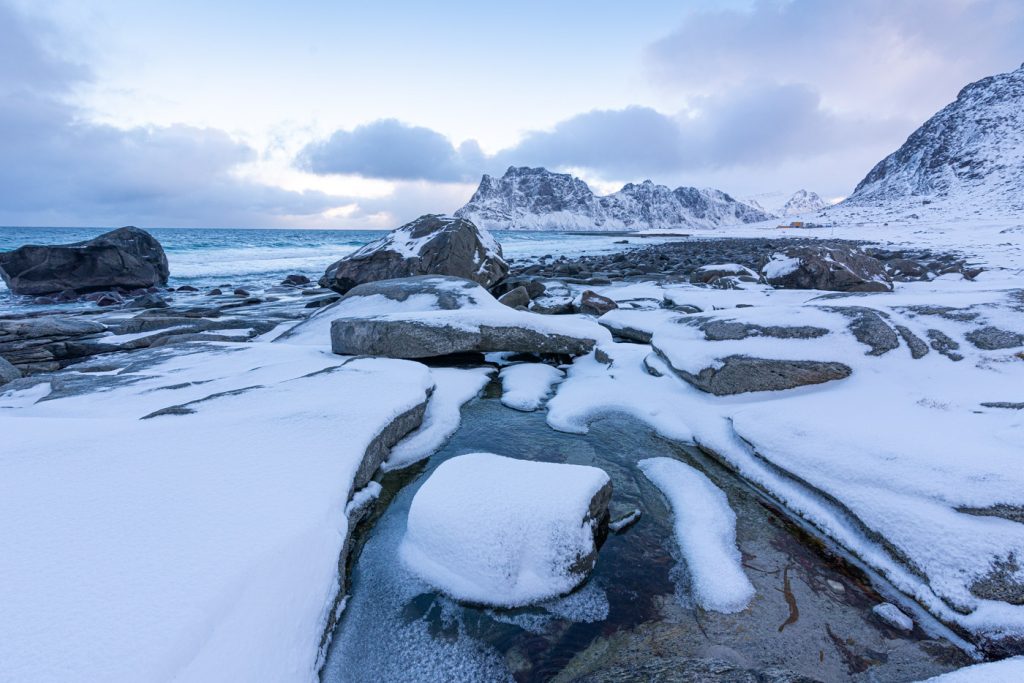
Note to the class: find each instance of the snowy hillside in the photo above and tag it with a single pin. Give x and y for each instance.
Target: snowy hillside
(803, 202)
(969, 154)
(537, 199)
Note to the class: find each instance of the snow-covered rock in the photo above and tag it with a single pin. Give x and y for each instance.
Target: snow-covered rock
(971, 153)
(430, 245)
(893, 616)
(803, 202)
(537, 199)
(705, 529)
(437, 316)
(524, 386)
(1006, 671)
(829, 267)
(499, 531)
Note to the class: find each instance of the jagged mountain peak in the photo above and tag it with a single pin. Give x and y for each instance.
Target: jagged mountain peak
(803, 201)
(533, 198)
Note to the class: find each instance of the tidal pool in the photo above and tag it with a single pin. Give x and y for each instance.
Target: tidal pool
(634, 619)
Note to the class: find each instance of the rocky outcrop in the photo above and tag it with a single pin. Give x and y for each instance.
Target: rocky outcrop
(50, 343)
(127, 258)
(827, 267)
(430, 245)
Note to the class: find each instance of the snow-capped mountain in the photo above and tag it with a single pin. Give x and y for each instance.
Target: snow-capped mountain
(969, 154)
(803, 202)
(537, 199)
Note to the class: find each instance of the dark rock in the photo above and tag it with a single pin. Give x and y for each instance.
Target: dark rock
(743, 374)
(515, 298)
(681, 669)
(187, 288)
(241, 292)
(126, 258)
(322, 301)
(941, 342)
(295, 280)
(430, 245)
(994, 339)
(553, 305)
(918, 348)
(109, 299)
(148, 301)
(8, 373)
(730, 330)
(49, 343)
(869, 328)
(593, 303)
(425, 339)
(828, 267)
(1008, 405)
(216, 291)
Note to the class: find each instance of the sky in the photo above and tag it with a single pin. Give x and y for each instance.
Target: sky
(338, 114)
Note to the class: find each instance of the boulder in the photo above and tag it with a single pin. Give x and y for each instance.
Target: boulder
(515, 298)
(594, 304)
(127, 258)
(709, 273)
(430, 245)
(826, 267)
(488, 529)
(295, 280)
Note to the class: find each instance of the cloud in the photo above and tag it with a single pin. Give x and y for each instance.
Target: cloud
(59, 168)
(392, 150)
(884, 57)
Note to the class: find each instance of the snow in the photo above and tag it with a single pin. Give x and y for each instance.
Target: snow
(524, 386)
(705, 528)
(452, 388)
(528, 526)
(1005, 671)
(894, 616)
(780, 265)
(199, 546)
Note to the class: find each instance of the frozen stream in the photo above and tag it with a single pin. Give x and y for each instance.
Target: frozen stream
(634, 617)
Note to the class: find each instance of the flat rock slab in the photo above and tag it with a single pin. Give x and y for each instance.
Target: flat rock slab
(742, 374)
(492, 530)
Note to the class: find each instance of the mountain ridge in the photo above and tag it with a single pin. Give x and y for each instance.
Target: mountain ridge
(526, 198)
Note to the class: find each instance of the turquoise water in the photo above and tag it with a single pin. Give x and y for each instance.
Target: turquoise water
(211, 257)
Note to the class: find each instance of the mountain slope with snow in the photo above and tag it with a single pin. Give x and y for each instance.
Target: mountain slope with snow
(537, 199)
(802, 202)
(969, 154)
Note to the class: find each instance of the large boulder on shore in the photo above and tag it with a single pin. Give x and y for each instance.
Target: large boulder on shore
(127, 258)
(827, 267)
(8, 373)
(430, 245)
(430, 316)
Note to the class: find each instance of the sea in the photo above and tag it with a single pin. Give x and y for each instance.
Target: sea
(255, 258)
